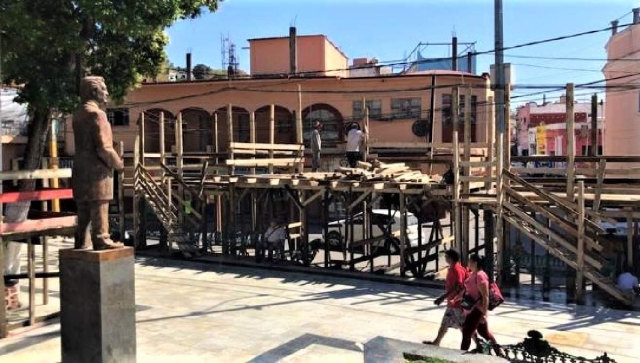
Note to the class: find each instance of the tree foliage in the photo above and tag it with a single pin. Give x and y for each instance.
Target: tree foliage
(201, 71)
(48, 45)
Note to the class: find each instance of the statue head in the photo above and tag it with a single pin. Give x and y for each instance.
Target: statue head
(93, 88)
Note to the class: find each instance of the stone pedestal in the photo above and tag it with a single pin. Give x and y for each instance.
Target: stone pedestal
(97, 303)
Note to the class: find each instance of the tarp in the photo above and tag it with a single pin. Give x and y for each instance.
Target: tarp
(13, 116)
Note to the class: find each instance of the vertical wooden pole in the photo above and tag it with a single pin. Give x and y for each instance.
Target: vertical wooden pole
(137, 190)
(507, 127)
(180, 163)
(252, 134)
(467, 139)
(121, 215)
(403, 233)
(299, 140)
(499, 233)
(272, 133)
(490, 138)
(230, 132)
(571, 142)
(457, 225)
(163, 150)
(53, 153)
(45, 269)
(31, 272)
(593, 136)
(581, 251)
(45, 182)
(630, 233)
(216, 149)
(365, 119)
(142, 138)
(216, 145)
(169, 209)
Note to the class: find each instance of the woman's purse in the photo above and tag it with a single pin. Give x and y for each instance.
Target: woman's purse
(468, 302)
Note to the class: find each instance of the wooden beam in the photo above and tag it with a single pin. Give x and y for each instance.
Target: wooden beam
(252, 133)
(261, 162)
(38, 195)
(581, 249)
(142, 137)
(272, 133)
(37, 225)
(571, 141)
(163, 149)
(230, 133)
(593, 135)
(35, 174)
(263, 146)
(299, 129)
(467, 139)
(457, 222)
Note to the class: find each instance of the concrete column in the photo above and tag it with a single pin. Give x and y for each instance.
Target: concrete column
(97, 303)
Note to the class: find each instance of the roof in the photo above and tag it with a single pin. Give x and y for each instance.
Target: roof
(302, 36)
(560, 108)
(441, 72)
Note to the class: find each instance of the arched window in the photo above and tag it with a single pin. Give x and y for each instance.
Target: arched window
(152, 130)
(332, 124)
(285, 132)
(196, 130)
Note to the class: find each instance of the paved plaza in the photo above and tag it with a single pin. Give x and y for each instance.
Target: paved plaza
(199, 312)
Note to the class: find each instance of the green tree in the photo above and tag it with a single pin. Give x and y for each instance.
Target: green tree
(49, 45)
(201, 71)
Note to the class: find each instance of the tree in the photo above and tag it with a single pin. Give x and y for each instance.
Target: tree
(49, 45)
(201, 71)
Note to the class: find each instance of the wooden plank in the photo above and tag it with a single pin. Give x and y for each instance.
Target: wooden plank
(38, 195)
(35, 174)
(36, 225)
(420, 145)
(571, 142)
(477, 164)
(481, 179)
(270, 153)
(261, 162)
(299, 130)
(263, 146)
(581, 240)
(272, 133)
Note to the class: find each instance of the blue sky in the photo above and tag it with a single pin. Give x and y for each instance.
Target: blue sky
(390, 29)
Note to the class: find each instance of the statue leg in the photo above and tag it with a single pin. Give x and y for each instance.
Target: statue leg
(82, 238)
(100, 226)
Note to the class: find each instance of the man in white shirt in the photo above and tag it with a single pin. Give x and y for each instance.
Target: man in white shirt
(627, 282)
(316, 146)
(355, 137)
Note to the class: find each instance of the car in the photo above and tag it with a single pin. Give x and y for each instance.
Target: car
(337, 229)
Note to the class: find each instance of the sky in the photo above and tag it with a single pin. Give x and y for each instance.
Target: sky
(389, 30)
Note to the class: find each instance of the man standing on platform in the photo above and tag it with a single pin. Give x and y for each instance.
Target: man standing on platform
(355, 138)
(93, 165)
(316, 146)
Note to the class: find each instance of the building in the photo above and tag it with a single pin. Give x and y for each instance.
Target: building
(396, 102)
(621, 70)
(541, 129)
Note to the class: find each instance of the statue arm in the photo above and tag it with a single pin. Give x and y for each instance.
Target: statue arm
(104, 143)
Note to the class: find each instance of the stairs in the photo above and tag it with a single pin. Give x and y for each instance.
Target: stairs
(561, 241)
(182, 228)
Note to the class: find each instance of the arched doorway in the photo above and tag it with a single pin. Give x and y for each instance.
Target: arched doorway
(152, 130)
(196, 130)
(332, 124)
(285, 132)
(241, 131)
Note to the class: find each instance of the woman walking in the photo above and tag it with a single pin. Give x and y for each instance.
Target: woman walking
(476, 303)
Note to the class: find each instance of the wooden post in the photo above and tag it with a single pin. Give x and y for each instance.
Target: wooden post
(432, 105)
(272, 133)
(299, 129)
(121, 215)
(180, 164)
(53, 153)
(491, 141)
(571, 142)
(31, 272)
(216, 149)
(593, 136)
(216, 145)
(499, 208)
(403, 233)
(163, 156)
(45, 182)
(365, 119)
(230, 131)
(581, 251)
(252, 135)
(169, 209)
(507, 127)
(142, 141)
(45, 269)
(457, 225)
(630, 245)
(136, 192)
(467, 140)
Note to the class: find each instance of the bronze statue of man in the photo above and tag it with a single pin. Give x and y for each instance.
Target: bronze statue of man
(93, 165)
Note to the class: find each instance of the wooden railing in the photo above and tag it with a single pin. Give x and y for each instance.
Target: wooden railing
(33, 231)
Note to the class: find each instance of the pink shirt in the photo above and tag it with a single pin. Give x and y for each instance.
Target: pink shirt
(474, 281)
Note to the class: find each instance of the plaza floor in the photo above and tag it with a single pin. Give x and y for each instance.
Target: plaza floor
(202, 312)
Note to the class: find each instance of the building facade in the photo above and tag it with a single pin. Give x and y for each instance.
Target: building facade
(621, 71)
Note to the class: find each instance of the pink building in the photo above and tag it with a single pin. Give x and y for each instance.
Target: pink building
(541, 129)
(623, 119)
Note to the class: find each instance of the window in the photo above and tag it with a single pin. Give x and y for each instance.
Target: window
(406, 107)
(446, 108)
(118, 116)
(375, 110)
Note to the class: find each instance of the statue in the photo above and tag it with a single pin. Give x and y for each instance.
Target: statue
(93, 164)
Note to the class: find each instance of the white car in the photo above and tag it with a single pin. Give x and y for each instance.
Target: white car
(337, 230)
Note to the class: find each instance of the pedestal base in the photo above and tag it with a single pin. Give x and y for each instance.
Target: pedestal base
(97, 306)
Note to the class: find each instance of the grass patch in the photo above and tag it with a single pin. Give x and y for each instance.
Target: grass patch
(412, 358)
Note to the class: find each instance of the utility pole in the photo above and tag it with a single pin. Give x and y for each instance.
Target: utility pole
(593, 136)
(499, 93)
